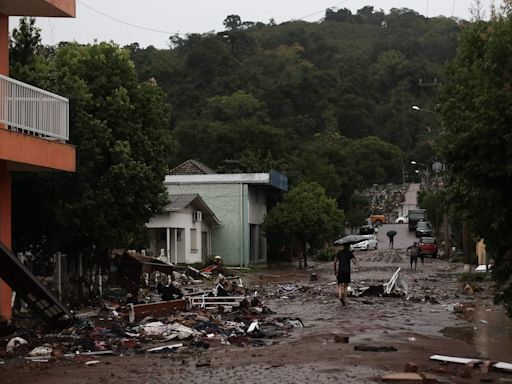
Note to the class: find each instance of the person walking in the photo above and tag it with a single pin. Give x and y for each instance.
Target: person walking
(413, 252)
(342, 270)
(391, 234)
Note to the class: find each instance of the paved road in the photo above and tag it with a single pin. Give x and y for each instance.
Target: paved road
(402, 240)
(411, 195)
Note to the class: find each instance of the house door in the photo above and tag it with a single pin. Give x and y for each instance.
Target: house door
(205, 251)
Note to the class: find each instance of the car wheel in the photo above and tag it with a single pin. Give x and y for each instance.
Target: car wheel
(376, 245)
(400, 222)
(434, 255)
(378, 222)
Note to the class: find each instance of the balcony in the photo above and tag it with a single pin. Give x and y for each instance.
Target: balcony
(33, 111)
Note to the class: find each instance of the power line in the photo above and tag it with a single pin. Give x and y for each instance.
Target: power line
(177, 33)
(323, 10)
(125, 22)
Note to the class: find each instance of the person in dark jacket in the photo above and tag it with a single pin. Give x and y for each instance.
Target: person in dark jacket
(413, 252)
(342, 270)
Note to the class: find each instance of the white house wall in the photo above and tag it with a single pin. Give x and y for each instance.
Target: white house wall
(182, 221)
(160, 221)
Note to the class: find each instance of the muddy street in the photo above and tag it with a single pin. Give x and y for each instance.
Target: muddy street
(371, 337)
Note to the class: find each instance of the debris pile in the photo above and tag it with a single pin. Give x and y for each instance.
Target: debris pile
(156, 310)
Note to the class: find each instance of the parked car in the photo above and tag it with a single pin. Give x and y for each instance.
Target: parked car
(428, 246)
(423, 228)
(366, 230)
(369, 243)
(401, 220)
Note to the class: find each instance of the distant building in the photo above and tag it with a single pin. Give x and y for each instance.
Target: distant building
(225, 216)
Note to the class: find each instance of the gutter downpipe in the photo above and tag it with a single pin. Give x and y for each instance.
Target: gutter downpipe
(241, 226)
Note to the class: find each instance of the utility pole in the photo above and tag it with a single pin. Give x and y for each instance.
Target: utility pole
(446, 236)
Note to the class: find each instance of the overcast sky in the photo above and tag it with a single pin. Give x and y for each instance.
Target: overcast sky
(151, 22)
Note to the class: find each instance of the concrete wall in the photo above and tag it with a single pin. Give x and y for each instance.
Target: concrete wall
(229, 202)
(182, 228)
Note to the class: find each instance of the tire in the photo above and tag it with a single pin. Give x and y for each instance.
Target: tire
(434, 255)
(376, 245)
(378, 222)
(399, 222)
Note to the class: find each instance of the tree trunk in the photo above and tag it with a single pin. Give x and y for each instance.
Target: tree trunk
(305, 254)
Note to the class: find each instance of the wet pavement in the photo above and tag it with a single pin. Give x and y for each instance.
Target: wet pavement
(437, 316)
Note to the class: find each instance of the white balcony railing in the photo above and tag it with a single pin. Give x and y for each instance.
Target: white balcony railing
(33, 111)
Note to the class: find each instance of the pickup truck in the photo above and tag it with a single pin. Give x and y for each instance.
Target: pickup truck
(378, 219)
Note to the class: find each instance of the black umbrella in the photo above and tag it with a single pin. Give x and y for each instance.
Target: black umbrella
(391, 233)
(351, 239)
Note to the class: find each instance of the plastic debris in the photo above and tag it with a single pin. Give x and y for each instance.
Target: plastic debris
(14, 343)
(40, 351)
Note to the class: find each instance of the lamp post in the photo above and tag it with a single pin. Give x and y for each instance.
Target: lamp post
(427, 172)
(438, 167)
(416, 108)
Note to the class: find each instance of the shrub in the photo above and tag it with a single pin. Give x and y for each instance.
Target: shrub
(326, 254)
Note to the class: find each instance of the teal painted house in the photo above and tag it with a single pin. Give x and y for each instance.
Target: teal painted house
(239, 202)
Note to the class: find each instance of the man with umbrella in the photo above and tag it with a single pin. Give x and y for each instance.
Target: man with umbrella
(342, 267)
(391, 234)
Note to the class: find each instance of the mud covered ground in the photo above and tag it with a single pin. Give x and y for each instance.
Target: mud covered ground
(437, 317)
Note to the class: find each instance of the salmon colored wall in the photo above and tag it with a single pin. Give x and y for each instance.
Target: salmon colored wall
(5, 234)
(23, 149)
(17, 150)
(67, 6)
(5, 177)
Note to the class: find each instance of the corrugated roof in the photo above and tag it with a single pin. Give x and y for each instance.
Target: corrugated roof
(182, 201)
(177, 202)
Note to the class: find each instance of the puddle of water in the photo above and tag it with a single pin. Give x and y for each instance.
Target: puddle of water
(489, 330)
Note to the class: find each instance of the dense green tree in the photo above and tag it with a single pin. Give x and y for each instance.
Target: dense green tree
(301, 97)
(232, 22)
(477, 140)
(434, 203)
(305, 216)
(374, 161)
(27, 54)
(121, 131)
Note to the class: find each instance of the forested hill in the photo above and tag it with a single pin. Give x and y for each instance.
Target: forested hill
(327, 102)
(293, 96)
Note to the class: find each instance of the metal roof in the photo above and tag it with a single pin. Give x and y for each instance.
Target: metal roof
(178, 202)
(220, 178)
(182, 201)
(274, 179)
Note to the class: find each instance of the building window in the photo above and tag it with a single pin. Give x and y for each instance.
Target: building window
(193, 239)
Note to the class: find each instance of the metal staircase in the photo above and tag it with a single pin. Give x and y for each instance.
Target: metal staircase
(32, 291)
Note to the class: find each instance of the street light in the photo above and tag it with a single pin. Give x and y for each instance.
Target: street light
(416, 108)
(427, 172)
